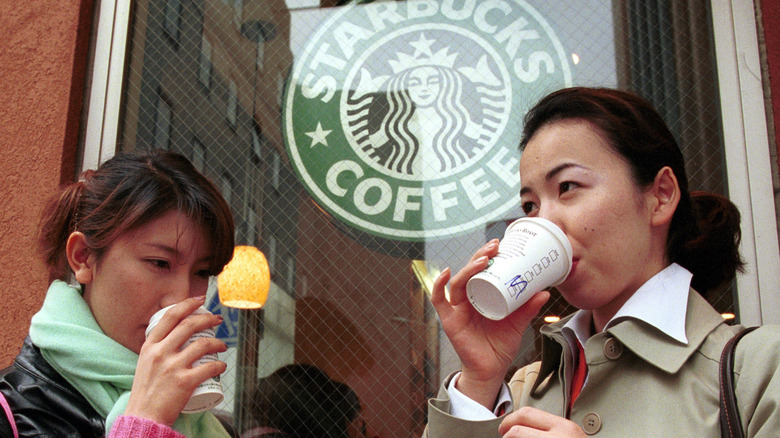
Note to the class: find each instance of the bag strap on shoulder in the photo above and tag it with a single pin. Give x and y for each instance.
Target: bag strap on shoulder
(730, 424)
(9, 414)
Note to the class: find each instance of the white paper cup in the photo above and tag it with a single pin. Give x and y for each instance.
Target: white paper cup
(533, 255)
(209, 393)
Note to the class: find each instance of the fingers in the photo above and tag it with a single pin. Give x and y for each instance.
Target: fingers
(522, 317)
(489, 249)
(201, 347)
(178, 324)
(173, 316)
(438, 294)
(189, 327)
(177, 339)
(175, 358)
(478, 263)
(528, 421)
(527, 417)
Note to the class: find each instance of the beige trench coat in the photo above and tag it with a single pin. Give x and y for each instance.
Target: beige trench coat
(643, 383)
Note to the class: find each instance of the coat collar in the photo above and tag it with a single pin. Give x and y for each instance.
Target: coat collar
(647, 342)
(659, 349)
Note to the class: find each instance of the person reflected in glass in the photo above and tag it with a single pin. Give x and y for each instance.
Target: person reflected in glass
(301, 401)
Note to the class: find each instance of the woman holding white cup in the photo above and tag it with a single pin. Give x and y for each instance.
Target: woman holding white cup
(142, 232)
(602, 165)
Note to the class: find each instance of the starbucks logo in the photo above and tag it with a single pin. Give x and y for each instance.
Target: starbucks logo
(402, 119)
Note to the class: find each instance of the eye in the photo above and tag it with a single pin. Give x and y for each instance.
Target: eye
(159, 263)
(566, 186)
(204, 273)
(528, 207)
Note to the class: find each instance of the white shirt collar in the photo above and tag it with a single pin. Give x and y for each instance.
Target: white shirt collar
(661, 302)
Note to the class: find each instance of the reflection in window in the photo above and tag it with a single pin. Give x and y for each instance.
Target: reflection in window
(279, 90)
(198, 154)
(172, 17)
(271, 254)
(275, 169)
(162, 124)
(204, 70)
(238, 12)
(260, 54)
(394, 352)
(290, 273)
(256, 146)
(232, 104)
(226, 188)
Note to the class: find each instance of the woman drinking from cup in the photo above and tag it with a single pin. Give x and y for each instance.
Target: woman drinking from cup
(140, 233)
(602, 165)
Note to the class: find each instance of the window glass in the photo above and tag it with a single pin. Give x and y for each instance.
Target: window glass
(204, 73)
(364, 147)
(162, 125)
(172, 10)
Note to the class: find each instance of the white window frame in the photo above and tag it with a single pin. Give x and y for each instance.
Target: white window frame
(744, 123)
(748, 158)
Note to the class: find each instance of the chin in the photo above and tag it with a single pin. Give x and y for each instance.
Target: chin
(576, 296)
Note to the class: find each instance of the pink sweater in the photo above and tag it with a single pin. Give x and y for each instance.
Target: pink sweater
(134, 427)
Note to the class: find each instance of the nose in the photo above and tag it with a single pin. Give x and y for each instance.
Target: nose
(549, 212)
(178, 290)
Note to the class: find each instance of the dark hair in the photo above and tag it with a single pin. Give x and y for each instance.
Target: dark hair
(128, 191)
(704, 234)
(303, 402)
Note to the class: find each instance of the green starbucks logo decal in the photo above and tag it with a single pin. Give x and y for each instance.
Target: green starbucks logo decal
(402, 119)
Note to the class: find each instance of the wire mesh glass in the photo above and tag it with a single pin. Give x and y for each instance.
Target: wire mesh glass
(263, 94)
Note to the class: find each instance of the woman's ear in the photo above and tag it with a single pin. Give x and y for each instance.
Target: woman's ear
(80, 258)
(665, 195)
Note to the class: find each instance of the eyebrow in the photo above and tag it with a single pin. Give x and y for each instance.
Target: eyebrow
(551, 174)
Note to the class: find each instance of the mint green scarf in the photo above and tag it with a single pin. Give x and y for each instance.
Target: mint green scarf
(100, 368)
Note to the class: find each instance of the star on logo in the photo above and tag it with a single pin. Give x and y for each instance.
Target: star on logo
(318, 135)
(422, 46)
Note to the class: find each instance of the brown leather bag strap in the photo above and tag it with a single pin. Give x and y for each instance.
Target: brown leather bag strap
(730, 425)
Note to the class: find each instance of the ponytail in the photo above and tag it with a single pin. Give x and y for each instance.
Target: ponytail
(711, 250)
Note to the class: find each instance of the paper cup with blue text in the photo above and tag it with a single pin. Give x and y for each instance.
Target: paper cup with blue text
(533, 255)
(209, 393)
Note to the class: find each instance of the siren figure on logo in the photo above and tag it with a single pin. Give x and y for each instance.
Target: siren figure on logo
(427, 117)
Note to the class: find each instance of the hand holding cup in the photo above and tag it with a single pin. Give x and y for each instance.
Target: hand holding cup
(168, 370)
(534, 255)
(486, 347)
